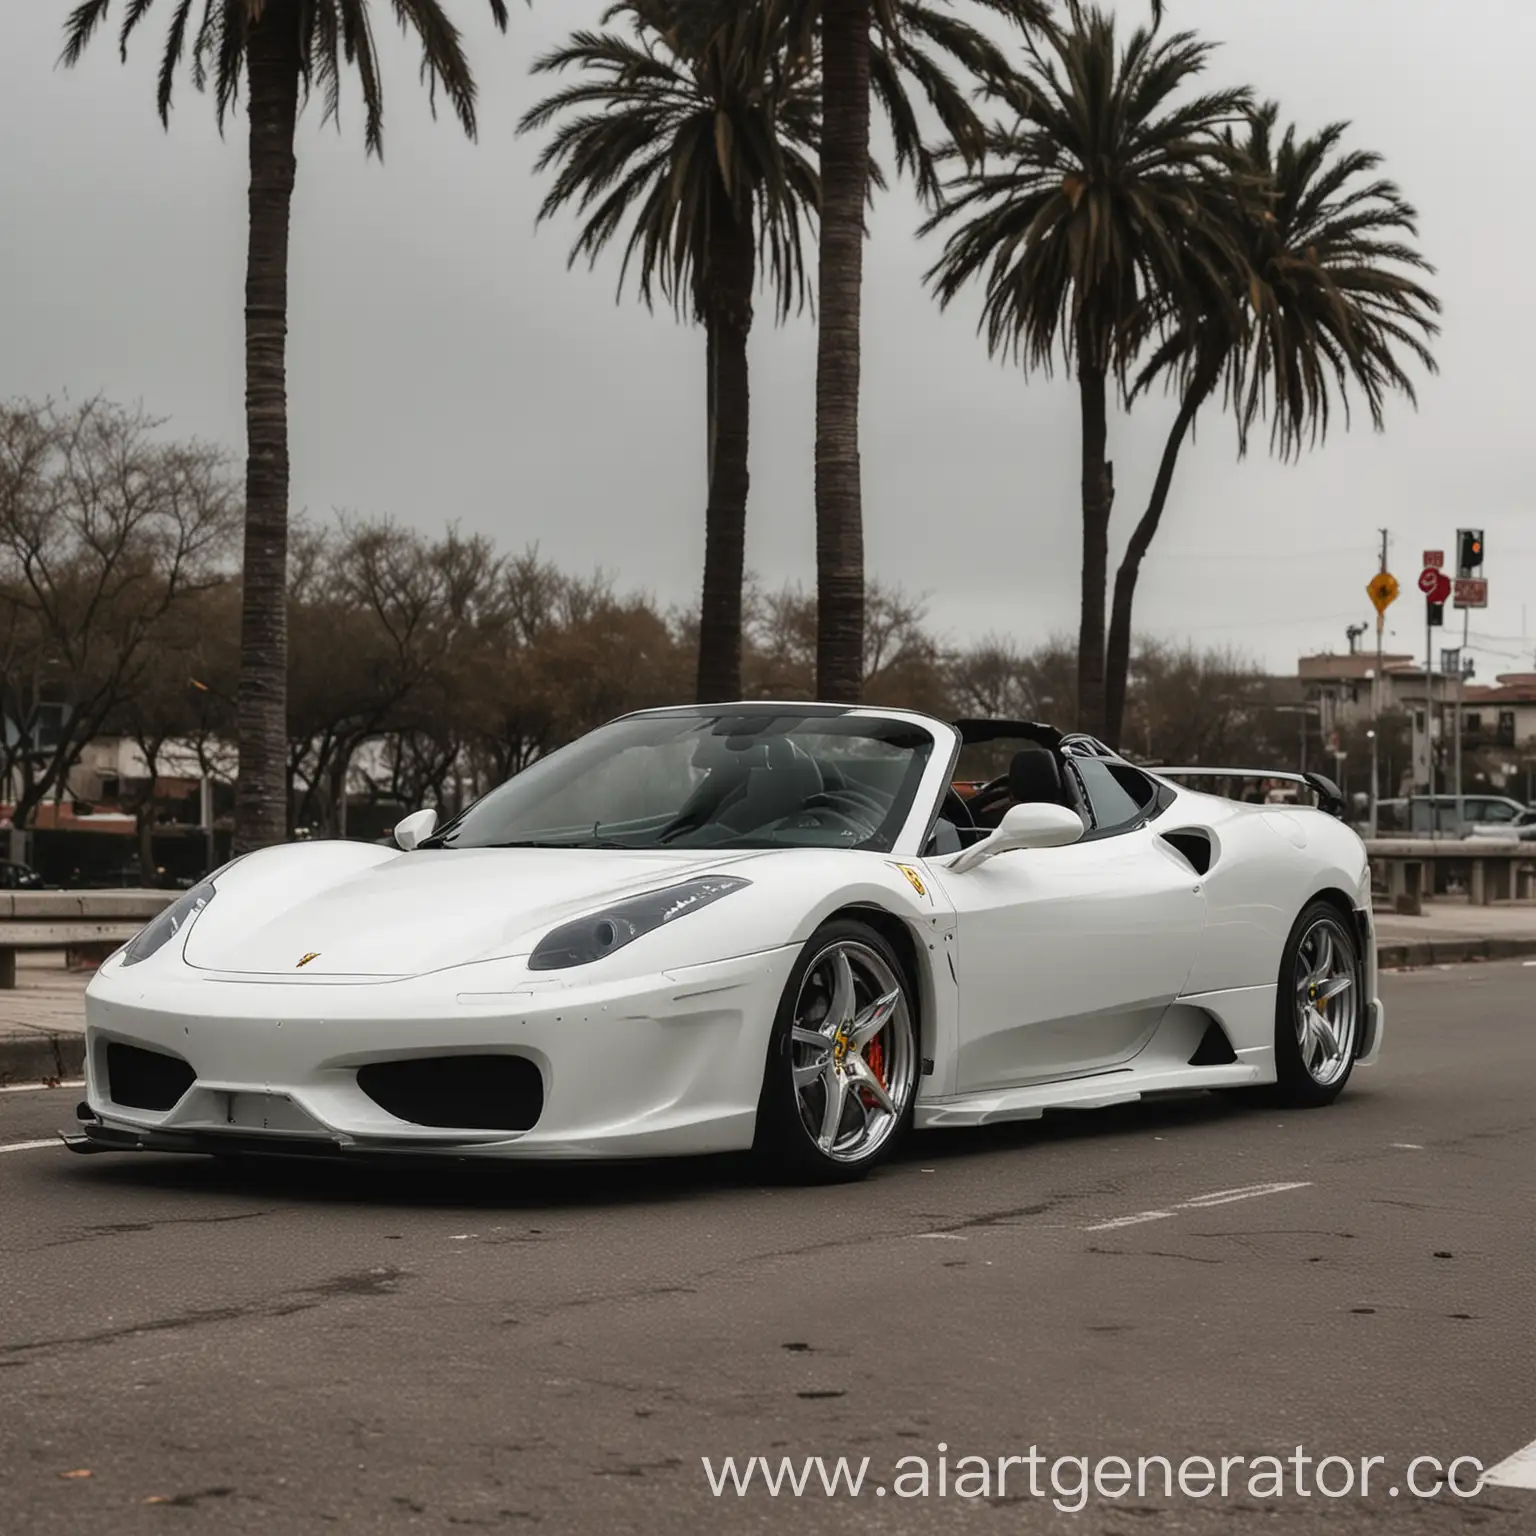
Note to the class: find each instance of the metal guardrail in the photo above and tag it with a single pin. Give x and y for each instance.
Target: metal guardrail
(85, 924)
(1411, 870)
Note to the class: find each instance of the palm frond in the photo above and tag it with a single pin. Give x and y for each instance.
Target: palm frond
(1097, 201)
(331, 33)
(681, 120)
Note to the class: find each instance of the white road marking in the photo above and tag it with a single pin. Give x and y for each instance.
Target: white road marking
(1199, 1203)
(1408, 1146)
(31, 1146)
(76, 1082)
(948, 1237)
(1230, 1196)
(1517, 1471)
(1129, 1221)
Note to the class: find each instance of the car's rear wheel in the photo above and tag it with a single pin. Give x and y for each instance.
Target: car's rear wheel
(1319, 1008)
(843, 1062)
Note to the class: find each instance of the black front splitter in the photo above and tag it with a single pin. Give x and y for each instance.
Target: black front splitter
(94, 1136)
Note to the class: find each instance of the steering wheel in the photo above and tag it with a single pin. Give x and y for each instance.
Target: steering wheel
(992, 795)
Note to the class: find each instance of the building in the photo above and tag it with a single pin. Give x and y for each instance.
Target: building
(1344, 688)
(1502, 714)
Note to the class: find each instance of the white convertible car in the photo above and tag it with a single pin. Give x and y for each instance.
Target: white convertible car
(799, 928)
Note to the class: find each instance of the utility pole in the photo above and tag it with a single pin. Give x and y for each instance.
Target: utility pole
(1381, 619)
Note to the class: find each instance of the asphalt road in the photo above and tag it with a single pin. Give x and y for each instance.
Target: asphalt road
(557, 1350)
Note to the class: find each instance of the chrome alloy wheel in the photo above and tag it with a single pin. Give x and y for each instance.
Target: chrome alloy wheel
(853, 1055)
(1327, 1012)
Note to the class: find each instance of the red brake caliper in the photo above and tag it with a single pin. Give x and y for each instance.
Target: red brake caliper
(875, 1058)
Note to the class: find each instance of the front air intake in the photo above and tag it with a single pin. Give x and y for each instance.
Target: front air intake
(140, 1079)
(461, 1093)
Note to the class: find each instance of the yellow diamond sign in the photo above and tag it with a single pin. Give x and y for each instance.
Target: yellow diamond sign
(1382, 590)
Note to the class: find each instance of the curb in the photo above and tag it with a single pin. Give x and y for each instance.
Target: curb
(1416, 954)
(41, 1058)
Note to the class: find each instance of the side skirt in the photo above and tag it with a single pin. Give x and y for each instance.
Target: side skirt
(1246, 1015)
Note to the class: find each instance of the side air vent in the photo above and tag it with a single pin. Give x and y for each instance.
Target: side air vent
(140, 1079)
(1193, 845)
(1214, 1050)
(482, 1093)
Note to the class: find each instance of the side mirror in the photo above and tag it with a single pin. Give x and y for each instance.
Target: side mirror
(412, 830)
(1024, 826)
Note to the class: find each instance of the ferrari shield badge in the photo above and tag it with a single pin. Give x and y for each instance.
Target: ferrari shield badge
(314, 954)
(914, 879)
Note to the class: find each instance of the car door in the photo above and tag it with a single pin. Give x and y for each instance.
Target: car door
(1067, 958)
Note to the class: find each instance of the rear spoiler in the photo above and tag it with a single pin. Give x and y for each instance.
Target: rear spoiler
(1329, 797)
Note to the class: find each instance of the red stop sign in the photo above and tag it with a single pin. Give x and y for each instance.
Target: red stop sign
(1435, 585)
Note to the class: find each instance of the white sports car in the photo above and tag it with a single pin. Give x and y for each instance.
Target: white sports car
(783, 926)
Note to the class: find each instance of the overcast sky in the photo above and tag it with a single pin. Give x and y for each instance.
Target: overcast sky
(444, 365)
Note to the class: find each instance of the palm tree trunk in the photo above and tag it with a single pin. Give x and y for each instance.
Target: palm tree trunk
(1117, 660)
(711, 406)
(839, 505)
(261, 794)
(728, 316)
(1098, 493)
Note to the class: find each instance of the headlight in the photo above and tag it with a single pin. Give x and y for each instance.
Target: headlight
(176, 918)
(601, 933)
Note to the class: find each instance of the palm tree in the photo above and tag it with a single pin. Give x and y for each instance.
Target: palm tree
(1323, 302)
(884, 48)
(701, 141)
(1100, 197)
(281, 48)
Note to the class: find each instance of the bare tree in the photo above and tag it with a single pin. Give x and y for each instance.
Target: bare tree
(105, 532)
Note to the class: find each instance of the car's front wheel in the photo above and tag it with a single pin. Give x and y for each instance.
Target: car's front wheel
(1319, 1009)
(843, 1062)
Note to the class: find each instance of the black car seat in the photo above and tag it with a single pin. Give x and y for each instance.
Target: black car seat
(1037, 777)
(1034, 778)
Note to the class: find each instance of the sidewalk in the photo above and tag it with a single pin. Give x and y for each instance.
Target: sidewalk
(1450, 932)
(42, 1023)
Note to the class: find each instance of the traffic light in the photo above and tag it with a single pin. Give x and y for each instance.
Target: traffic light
(1469, 552)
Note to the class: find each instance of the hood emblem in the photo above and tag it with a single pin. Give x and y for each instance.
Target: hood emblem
(314, 954)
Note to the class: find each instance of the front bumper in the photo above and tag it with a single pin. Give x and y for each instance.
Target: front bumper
(662, 1065)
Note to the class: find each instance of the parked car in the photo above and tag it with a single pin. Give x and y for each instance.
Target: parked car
(1481, 814)
(1522, 828)
(728, 926)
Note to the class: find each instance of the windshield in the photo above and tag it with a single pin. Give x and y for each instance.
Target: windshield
(705, 779)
